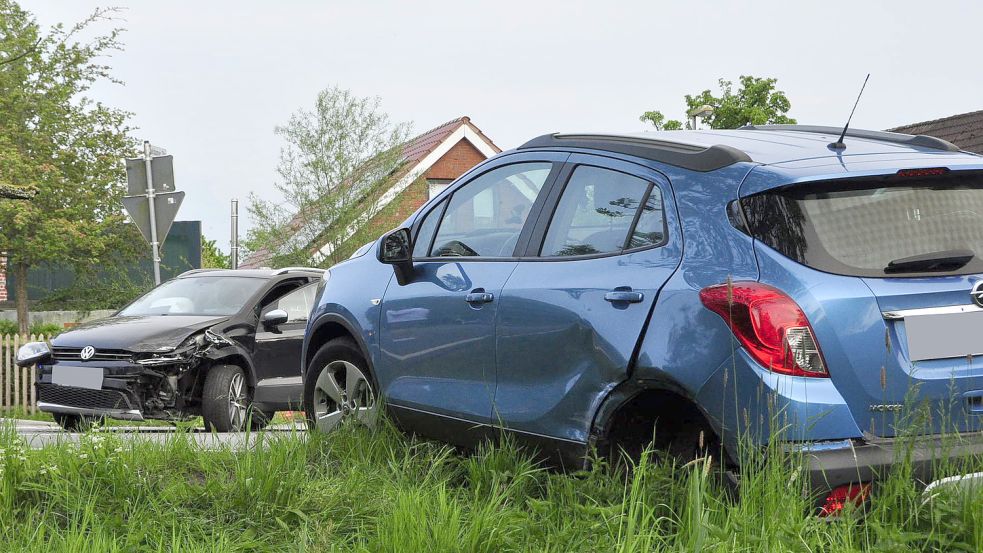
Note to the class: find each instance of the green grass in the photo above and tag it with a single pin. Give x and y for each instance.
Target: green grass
(360, 490)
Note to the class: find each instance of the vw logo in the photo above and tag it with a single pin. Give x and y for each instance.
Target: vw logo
(977, 293)
(89, 351)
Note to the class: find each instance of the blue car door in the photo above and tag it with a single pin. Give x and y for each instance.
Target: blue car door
(572, 312)
(437, 332)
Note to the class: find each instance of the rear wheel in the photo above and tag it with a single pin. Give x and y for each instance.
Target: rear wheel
(226, 403)
(338, 388)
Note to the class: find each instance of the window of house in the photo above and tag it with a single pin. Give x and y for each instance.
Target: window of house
(436, 186)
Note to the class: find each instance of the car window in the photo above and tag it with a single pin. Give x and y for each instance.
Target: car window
(297, 304)
(197, 295)
(596, 212)
(485, 216)
(427, 228)
(650, 230)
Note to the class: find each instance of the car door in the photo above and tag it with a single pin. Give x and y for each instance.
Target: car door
(572, 312)
(276, 356)
(437, 332)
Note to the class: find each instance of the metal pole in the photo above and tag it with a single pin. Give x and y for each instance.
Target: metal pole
(235, 234)
(154, 244)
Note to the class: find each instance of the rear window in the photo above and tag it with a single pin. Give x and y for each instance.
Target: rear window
(884, 227)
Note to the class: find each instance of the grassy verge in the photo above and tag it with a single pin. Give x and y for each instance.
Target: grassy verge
(381, 491)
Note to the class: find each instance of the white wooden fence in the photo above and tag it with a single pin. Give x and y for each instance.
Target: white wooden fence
(17, 383)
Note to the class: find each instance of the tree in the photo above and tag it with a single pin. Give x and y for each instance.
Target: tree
(59, 143)
(334, 156)
(756, 102)
(212, 257)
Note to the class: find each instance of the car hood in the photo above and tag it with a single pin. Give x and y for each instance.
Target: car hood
(136, 333)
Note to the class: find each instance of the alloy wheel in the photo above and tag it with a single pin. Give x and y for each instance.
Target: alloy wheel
(237, 402)
(341, 393)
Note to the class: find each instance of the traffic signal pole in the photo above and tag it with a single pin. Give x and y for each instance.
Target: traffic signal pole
(154, 243)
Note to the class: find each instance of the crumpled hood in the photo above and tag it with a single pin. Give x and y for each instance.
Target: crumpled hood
(136, 333)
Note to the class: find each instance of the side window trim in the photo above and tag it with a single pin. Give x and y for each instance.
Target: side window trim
(437, 210)
(545, 218)
(534, 212)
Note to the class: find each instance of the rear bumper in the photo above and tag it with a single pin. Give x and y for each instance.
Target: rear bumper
(875, 459)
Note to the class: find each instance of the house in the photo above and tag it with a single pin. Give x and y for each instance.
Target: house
(429, 163)
(965, 130)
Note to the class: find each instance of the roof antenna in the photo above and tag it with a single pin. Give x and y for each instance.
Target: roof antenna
(839, 145)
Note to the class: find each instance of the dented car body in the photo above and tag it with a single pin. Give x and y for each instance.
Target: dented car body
(152, 360)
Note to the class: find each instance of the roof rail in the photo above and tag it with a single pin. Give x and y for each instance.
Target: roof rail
(919, 140)
(286, 270)
(687, 156)
(196, 271)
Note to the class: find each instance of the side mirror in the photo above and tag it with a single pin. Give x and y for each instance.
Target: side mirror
(396, 249)
(274, 318)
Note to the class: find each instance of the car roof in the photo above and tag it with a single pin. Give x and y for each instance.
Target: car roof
(252, 273)
(708, 150)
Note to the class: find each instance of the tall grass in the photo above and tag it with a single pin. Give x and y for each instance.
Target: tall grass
(360, 490)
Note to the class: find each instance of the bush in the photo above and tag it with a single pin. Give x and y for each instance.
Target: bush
(48, 330)
(9, 328)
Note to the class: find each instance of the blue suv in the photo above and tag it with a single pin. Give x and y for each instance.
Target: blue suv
(582, 290)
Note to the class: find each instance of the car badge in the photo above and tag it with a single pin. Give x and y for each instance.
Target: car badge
(977, 293)
(89, 351)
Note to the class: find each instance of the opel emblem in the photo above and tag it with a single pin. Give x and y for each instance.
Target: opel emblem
(977, 293)
(89, 351)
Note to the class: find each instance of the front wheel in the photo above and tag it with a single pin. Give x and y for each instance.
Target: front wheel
(74, 423)
(338, 388)
(225, 401)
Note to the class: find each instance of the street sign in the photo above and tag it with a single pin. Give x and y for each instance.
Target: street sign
(152, 202)
(165, 210)
(162, 171)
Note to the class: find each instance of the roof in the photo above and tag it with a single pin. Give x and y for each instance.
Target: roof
(415, 151)
(763, 144)
(249, 273)
(964, 130)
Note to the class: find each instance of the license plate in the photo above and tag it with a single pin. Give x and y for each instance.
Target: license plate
(79, 377)
(944, 335)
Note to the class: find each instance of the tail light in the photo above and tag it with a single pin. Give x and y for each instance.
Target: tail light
(841, 496)
(770, 326)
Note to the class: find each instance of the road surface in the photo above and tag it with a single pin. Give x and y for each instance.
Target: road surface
(38, 434)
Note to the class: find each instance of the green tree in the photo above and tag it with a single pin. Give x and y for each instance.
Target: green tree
(334, 156)
(58, 142)
(212, 256)
(755, 102)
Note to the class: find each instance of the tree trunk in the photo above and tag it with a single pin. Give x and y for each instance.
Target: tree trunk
(20, 292)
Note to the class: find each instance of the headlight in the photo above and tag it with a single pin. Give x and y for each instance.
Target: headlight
(32, 352)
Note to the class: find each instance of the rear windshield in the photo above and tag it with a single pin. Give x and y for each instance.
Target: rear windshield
(885, 227)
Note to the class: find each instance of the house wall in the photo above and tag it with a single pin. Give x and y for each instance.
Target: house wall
(461, 157)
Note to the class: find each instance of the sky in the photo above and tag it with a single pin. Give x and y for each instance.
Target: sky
(209, 80)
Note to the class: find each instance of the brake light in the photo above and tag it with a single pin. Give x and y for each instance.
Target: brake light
(929, 172)
(770, 326)
(841, 496)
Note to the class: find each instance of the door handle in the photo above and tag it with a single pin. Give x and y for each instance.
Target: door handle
(624, 294)
(478, 295)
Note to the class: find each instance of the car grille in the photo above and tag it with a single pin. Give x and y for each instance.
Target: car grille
(75, 354)
(82, 397)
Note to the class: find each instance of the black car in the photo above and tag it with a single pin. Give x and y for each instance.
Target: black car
(223, 344)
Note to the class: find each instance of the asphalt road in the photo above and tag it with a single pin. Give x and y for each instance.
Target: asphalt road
(38, 434)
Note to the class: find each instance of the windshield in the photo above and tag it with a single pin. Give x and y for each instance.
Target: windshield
(876, 227)
(200, 295)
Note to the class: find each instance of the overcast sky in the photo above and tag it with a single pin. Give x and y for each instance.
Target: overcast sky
(208, 80)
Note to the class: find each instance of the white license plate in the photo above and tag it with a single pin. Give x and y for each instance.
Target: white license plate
(80, 377)
(945, 335)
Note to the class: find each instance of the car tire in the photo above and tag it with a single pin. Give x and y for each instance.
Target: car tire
(225, 400)
(338, 387)
(74, 423)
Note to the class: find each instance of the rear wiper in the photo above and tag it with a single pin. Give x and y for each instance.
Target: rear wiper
(946, 260)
